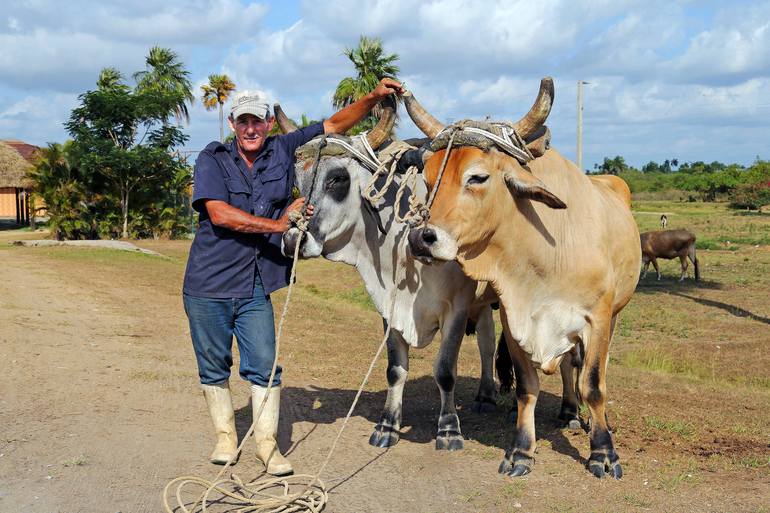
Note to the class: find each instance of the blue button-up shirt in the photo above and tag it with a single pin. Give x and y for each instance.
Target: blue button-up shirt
(222, 262)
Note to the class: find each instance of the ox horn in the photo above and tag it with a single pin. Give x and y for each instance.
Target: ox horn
(286, 125)
(429, 125)
(537, 115)
(381, 132)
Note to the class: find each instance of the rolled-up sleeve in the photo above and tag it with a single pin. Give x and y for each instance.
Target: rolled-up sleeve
(208, 182)
(299, 137)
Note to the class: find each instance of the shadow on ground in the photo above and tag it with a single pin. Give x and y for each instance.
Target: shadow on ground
(671, 285)
(421, 407)
(9, 224)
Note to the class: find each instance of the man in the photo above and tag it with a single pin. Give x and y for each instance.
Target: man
(243, 192)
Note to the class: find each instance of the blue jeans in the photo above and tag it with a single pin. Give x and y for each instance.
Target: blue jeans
(212, 325)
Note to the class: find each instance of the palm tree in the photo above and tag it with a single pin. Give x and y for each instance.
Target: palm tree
(215, 94)
(109, 78)
(167, 75)
(371, 65)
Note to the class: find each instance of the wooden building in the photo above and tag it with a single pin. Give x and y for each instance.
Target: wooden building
(16, 159)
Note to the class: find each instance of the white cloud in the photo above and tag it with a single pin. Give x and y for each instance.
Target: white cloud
(65, 48)
(734, 49)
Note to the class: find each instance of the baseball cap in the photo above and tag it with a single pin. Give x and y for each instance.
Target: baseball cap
(250, 102)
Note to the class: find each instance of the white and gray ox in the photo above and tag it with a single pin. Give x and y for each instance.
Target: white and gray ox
(428, 299)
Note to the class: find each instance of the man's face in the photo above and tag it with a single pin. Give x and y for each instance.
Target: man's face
(250, 131)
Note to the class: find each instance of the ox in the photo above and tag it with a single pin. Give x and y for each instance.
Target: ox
(429, 299)
(560, 250)
(669, 244)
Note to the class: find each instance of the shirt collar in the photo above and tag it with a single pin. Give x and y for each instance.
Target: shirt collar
(264, 153)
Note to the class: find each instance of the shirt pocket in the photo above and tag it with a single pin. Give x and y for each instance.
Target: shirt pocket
(239, 194)
(275, 188)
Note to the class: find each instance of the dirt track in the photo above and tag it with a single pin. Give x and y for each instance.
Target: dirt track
(99, 408)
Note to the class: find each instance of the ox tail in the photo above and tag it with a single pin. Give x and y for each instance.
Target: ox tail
(504, 366)
(691, 254)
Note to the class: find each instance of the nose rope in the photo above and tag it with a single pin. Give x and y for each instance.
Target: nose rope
(419, 214)
(299, 218)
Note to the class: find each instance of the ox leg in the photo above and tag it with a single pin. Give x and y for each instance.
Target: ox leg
(593, 390)
(449, 436)
(486, 398)
(569, 401)
(685, 264)
(644, 269)
(386, 432)
(520, 458)
(655, 265)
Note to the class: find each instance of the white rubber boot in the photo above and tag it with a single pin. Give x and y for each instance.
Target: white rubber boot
(266, 430)
(220, 406)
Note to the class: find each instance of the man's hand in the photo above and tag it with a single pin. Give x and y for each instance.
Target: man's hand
(343, 120)
(386, 87)
(284, 223)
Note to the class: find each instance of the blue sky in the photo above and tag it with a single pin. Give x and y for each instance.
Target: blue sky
(687, 80)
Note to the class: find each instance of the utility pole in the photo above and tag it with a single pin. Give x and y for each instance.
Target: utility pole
(580, 124)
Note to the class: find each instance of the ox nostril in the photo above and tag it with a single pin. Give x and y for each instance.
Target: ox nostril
(429, 236)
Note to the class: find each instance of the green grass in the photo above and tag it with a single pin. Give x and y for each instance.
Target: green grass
(77, 461)
(356, 296)
(713, 224)
(683, 429)
(512, 490)
(696, 366)
(633, 500)
(754, 461)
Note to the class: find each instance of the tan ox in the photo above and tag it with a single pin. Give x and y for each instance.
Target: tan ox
(560, 249)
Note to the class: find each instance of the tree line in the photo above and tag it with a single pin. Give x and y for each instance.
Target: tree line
(744, 187)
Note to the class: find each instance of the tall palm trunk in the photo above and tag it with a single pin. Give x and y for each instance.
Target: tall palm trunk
(221, 125)
(124, 201)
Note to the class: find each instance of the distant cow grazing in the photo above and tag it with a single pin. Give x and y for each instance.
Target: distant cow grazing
(669, 244)
(663, 221)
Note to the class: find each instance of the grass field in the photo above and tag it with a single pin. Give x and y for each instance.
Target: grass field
(689, 380)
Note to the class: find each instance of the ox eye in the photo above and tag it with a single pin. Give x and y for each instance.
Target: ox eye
(477, 179)
(336, 180)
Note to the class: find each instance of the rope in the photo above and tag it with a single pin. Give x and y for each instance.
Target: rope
(371, 160)
(256, 495)
(517, 148)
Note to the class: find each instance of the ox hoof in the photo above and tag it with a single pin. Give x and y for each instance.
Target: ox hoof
(567, 415)
(574, 425)
(446, 441)
(519, 467)
(484, 406)
(570, 420)
(601, 464)
(383, 439)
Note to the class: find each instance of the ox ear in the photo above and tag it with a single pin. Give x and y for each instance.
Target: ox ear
(416, 157)
(525, 185)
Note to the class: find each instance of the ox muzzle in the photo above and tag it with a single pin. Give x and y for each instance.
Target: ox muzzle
(309, 247)
(428, 243)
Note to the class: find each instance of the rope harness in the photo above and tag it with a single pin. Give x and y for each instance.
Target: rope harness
(418, 214)
(273, 494)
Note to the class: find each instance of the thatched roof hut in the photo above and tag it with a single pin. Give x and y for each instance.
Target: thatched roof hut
(14, 165)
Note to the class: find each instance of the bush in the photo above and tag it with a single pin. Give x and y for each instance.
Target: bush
(750, 195)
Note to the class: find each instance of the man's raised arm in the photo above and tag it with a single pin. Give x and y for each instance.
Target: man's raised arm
(345, 118)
